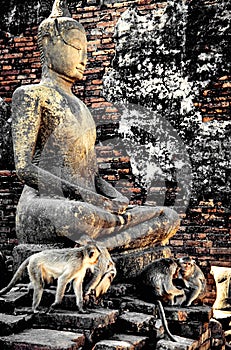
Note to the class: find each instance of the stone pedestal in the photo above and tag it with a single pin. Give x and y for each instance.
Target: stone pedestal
(222, 277)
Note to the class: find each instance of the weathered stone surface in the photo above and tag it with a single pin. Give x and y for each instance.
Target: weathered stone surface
(64, 319)
(181, 344)
(140, 323)
(64, 197)
(190, 322)
(122, 341)
(13, 323)
(222, 276)
(16, 297)
(150, 51)
(190, 329)
(194, 313)
(130, 263)
(35, 339)
(136, 305)
(218, 336)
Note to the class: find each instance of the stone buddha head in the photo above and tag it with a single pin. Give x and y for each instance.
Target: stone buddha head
(62, 43)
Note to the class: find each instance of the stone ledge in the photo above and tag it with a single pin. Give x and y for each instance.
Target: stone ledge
(64, 319)
(122, 342)
(192, 313)
(13, 324)
(141, 324)
(181, 344)
(36, 339)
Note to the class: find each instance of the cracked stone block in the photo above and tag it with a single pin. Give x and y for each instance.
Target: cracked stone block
(130, 263)
(36, 339)
(14, 298)
(190, 322)
(137, 305)
(194, 313)
(14, 323)
(181, 344)
(122, 341)
(188, 329)
(64, 319)
(139, 323)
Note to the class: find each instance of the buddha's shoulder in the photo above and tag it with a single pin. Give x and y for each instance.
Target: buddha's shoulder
(36, 91)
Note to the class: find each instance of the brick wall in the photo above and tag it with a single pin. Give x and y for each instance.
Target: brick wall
(205, 230)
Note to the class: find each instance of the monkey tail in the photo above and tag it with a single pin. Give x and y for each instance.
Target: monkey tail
(165, 322)
(16, 277)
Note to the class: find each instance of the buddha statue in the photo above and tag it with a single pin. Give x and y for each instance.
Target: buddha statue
(64, 199)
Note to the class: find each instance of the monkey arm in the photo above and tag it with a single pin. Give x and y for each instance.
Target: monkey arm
(193, 292)
(95, 279)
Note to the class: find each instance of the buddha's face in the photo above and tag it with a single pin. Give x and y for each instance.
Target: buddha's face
(67, 54)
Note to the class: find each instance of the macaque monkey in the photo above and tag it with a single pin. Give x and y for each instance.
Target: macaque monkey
(157, 279)
(103, 275)
(66, 265)
(156, 282)
(191, 279)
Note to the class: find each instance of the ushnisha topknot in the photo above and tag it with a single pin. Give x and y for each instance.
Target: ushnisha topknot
(55, 25)
(60, 9)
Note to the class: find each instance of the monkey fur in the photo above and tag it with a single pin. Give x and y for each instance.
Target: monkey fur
(69, 264)
(156, 281)
(103, 275)
(192, 280)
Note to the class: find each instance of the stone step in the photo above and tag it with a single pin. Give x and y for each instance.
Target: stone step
(134, 304)
(189, 313)
(66, 319)
(13, 324)
(41, 339)
(181, 344)
(192, 322)
(14, 298)
(62, 319)
(140, 324)
(122, 342)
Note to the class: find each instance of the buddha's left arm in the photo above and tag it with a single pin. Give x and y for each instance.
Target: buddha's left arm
(106, 189)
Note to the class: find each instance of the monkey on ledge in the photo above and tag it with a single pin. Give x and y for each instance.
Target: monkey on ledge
(64, 198)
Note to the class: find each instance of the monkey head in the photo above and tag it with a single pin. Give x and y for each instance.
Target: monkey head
(92, 253)
(186, 266)
(103, 275)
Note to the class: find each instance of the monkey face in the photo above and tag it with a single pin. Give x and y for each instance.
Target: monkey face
(93, 253)
(186, 265)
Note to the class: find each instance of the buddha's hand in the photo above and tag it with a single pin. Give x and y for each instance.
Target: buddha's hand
(116, 205)
(119, 204)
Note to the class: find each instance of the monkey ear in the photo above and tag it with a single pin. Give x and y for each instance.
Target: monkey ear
(91, 251)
